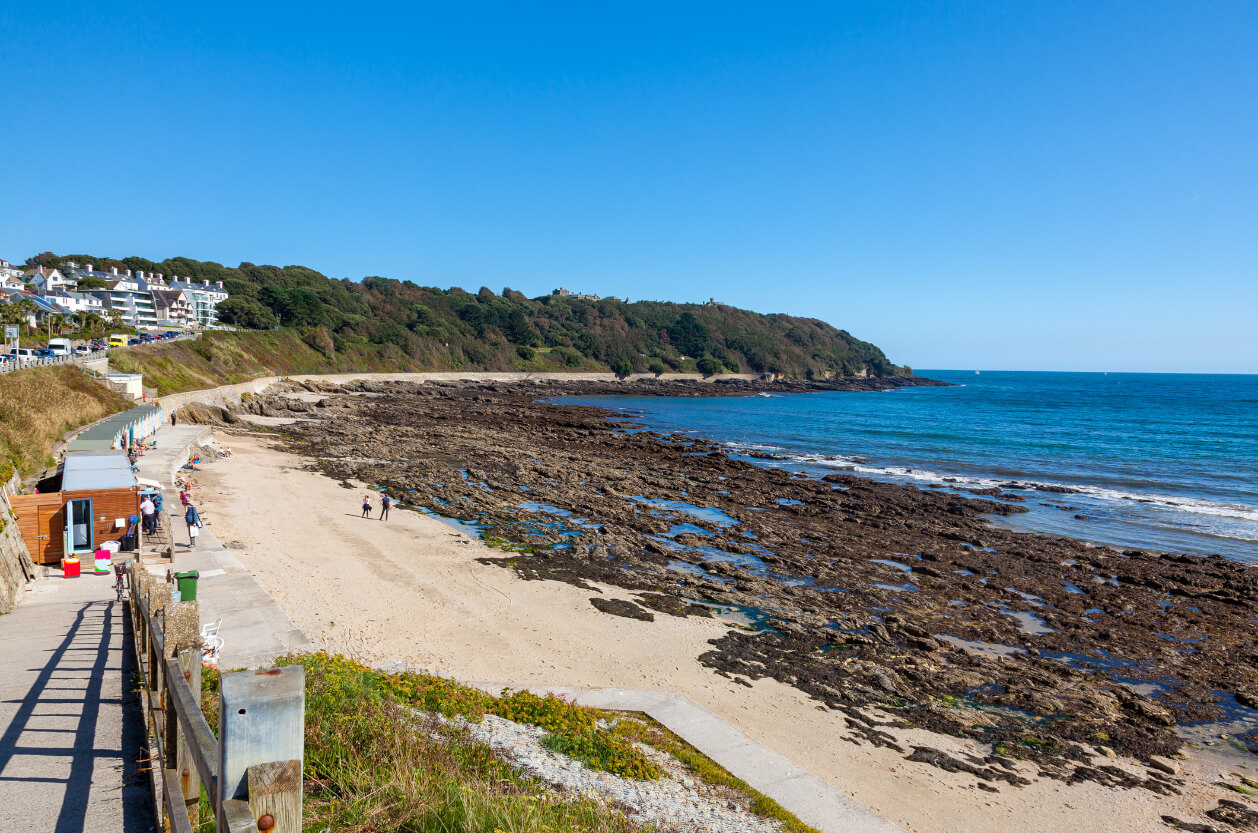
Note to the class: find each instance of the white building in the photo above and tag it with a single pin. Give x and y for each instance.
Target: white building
(48, 280)
(130, 298)
(205, 298)
(78, 302)
(8, 270)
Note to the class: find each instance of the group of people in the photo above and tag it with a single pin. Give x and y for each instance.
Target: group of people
(150, 515)
(385, 503)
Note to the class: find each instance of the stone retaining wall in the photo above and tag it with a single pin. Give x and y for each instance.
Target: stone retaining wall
(15, 560)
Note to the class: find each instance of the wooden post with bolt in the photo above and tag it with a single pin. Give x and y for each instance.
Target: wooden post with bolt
(261, 742)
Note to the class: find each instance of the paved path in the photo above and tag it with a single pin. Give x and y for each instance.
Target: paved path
(67, 713)
(174, 443)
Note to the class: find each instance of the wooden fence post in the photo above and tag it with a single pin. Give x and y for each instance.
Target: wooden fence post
(159, 597)
(181, 631)
(262, 722)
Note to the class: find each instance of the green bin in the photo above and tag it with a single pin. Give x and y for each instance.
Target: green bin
(187, 584)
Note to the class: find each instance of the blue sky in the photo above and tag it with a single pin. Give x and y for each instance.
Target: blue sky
(1068, 186)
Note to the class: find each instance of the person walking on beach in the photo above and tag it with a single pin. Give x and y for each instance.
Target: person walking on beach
(148, 513)
(194, 525)
(366, 506)
(385, 503)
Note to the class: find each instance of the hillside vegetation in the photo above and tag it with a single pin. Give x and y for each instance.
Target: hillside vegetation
(224, 358)
(417, 327)
(38, 406)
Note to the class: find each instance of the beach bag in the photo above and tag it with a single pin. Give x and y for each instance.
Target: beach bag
(194, 531)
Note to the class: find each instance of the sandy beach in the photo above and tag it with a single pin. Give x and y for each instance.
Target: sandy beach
(411, 589)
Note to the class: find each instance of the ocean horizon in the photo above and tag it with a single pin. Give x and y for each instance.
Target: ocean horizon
(1150, 461)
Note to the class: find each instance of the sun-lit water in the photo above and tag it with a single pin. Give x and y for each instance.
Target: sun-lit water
(1160, 461)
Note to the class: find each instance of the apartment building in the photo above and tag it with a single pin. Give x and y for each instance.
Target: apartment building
(204, 297)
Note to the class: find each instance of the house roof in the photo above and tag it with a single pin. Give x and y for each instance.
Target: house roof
(41, 304)
(85, 470)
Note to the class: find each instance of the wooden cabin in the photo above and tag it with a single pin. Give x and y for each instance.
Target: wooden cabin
(95, 500)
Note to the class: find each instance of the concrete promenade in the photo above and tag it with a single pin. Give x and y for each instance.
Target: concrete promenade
(70, 724)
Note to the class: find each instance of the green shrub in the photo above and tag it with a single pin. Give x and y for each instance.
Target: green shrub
(709, 366)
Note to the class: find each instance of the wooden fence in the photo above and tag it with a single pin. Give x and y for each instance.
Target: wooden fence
(252, 772)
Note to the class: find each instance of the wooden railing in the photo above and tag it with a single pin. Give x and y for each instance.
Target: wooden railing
(252, 773)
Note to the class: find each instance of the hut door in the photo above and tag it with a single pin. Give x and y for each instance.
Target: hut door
(50, 537)
(79, 524)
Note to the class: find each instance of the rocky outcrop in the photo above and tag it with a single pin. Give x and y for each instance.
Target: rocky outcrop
(16, 567)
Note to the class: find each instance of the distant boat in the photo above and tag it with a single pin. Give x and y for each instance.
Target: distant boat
(976, 373)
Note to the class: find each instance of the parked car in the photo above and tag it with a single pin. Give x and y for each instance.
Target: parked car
(133, 342)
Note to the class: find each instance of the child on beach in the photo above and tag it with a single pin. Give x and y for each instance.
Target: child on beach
(366, 506)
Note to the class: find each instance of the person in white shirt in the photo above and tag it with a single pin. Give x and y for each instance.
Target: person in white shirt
(149, 513)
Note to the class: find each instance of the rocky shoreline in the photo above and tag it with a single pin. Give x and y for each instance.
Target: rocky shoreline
(894, 605)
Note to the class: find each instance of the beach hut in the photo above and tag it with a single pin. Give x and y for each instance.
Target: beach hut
(96, 498)
(120, 430)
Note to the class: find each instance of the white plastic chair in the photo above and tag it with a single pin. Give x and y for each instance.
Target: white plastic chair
(211, 642)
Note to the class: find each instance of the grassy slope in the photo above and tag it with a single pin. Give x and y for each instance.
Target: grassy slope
(38, 406)
(221, 358)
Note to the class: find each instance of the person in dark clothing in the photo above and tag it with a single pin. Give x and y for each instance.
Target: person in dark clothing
(385, 503)
(194, 525)
(366, 506)
(174, 420)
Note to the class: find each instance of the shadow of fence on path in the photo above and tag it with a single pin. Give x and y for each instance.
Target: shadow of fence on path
(85, 650)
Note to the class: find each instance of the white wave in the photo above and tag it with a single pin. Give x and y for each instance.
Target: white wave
(837, 461)
(752, 446)
(1230, 511)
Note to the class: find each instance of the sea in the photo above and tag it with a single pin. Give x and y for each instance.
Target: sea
(1150, 461)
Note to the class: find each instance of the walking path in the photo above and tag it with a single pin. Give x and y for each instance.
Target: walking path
(70, 724)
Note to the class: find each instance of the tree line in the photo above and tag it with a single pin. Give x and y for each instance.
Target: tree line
(506, 330)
